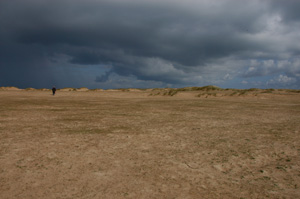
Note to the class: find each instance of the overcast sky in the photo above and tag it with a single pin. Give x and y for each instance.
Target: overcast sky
(150, 43)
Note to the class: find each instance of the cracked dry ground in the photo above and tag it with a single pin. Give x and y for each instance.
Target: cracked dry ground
(132, 145)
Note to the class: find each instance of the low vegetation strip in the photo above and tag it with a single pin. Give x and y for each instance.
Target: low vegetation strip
(202, 91)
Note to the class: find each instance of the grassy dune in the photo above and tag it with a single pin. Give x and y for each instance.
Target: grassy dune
(205, 91)
(153, 143)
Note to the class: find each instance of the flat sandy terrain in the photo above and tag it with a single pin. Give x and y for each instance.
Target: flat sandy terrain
(120, 144)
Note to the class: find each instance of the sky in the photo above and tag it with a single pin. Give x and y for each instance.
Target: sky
(150, 43)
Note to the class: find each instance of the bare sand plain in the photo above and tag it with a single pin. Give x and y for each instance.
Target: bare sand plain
(145, 144)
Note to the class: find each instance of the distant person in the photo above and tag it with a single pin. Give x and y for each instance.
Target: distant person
(53, 90)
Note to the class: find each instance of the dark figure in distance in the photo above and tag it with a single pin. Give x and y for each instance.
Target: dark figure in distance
(53, 90)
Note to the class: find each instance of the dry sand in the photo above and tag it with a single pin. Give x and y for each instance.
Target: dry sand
(131, 145)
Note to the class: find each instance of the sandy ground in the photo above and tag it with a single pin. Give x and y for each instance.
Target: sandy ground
(131, 145)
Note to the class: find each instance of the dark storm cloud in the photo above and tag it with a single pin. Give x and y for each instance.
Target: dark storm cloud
(289, 9)
(167, 41)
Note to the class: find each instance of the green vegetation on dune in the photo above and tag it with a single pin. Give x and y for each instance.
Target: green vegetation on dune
(210, 90)
(204, 88)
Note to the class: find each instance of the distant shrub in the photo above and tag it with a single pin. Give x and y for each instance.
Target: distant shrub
(121, 89)
(207, 94)
(204, 88)
(243, 92)
(293, 91)
(43, 89)
(234, 93)
(174, 91)
(270, 90)
(29, 89)
(67, 89)
(212, 94)
(210, 87)
(142, 89)
(171, 92)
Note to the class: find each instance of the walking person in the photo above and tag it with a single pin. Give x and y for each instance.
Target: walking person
(53, 90)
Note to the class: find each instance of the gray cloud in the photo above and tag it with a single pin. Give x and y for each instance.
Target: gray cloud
(290, 67)
(282, 80)
(169, 42)
(288, 10)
